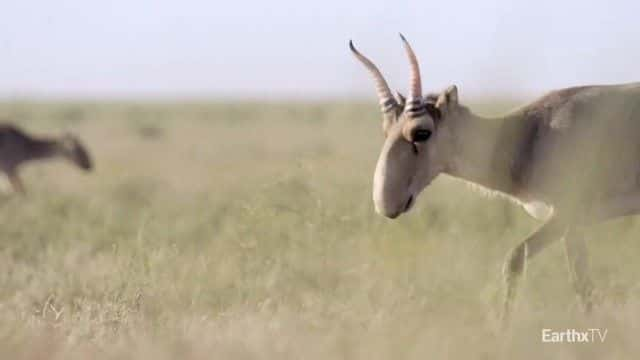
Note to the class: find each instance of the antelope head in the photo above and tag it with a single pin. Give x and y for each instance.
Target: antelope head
(410, 158)
(71, 148)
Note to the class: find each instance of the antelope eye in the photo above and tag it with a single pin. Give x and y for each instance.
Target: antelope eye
(420, 135)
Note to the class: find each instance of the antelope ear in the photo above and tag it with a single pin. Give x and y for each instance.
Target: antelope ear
(447, 99)
(452, 94)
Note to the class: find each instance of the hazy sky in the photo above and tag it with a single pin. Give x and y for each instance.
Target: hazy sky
(293, 48)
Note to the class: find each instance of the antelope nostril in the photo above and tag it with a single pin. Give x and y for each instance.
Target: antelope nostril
(393, 216)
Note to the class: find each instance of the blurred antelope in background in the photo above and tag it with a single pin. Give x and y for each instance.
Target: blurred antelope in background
(18, 148)
(570, 158)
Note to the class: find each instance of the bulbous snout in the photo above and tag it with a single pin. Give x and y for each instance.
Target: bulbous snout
(391, 189)
(393, 212)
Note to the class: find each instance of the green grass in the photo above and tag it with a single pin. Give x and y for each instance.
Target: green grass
(246, 231)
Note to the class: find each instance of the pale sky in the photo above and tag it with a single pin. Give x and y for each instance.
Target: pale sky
(216, 49)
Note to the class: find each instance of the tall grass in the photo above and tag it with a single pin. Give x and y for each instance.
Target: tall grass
(246, 231)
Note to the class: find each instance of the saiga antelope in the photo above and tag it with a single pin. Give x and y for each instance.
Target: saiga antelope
(17, 148)
(570, 158)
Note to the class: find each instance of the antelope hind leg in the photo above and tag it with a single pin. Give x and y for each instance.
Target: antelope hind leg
(515, 264)
(615, 207)
(578, 262)
(575, 246)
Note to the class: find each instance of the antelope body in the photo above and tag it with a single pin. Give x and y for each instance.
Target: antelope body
(18, 148)
(571, 158)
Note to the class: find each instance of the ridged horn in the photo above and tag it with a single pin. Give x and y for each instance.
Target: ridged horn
(387, 101)
(414, 102)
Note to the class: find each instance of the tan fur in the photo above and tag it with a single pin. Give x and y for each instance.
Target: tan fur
(571, 158)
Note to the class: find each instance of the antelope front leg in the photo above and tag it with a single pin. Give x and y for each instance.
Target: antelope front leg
(515, 264)
(16, 183)
(578, 262)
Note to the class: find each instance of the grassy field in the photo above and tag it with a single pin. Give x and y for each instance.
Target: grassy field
(247, 231)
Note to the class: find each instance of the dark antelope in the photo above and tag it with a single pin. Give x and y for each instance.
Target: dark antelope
(17, 148)
(570, 158)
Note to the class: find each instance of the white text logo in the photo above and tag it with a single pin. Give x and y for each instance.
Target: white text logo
(574, 335)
